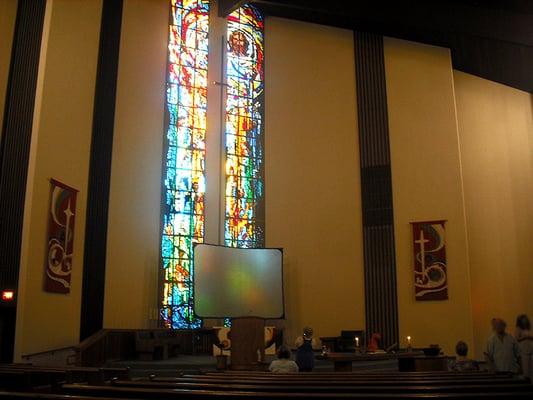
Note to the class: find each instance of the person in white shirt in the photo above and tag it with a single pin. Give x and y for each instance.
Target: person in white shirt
(284, 364)
(503, 352)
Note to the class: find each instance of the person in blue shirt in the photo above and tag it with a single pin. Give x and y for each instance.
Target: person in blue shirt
(305, 356)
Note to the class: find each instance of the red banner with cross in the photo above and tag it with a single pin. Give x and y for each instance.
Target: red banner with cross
(431, 276)
(61, 217)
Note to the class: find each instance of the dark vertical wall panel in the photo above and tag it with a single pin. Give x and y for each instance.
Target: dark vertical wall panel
(94, 260)
(376, 189)
(14, 154)
(16, 136)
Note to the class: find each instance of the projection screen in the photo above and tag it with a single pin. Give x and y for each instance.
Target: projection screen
(231, 282)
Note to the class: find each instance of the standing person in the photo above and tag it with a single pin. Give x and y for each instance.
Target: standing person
(284, 364)
(524, 337)
(502, 353)
(305, 356)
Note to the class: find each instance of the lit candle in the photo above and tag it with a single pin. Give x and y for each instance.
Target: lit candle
(356, 341)
(409, 341)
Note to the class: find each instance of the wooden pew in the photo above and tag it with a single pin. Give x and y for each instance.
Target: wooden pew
(31, 379)
(13, 380)
(312, 378)
(47, 396)
(337, 382)
(317, 377)
(361, 387)
(278, 377)
(167, 394)
(317, 386)
(106, 372)
(355, 373)
(390, 387)
(348, 375)
(24, 377)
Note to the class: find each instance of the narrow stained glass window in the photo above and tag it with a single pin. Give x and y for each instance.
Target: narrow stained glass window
(244, 204)
(184, 167)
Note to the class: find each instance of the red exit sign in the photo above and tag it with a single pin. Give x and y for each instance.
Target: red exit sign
(8, 295)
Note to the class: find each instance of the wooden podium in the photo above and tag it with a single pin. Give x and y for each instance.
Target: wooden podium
(247, 343)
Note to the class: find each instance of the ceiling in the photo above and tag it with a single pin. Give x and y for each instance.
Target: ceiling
(492, 39)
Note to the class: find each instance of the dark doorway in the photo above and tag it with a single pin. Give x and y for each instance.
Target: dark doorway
(7, 332)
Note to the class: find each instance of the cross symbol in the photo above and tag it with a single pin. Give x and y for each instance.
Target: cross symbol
(422, 241)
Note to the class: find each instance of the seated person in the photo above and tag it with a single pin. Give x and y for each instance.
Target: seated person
(503, 352)
(283, 364)
(462, 362)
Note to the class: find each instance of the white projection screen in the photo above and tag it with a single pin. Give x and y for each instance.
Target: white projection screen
(231, 282)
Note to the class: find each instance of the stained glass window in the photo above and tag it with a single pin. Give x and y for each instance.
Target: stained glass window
(244, 210)
(184, 169)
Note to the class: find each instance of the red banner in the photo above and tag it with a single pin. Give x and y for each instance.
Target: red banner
(60, 237)
(431, 278)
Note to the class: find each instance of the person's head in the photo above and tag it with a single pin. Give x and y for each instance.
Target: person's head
(522, 322)
(284, 353)
(461, 349)
(499, 325)
(308, 332)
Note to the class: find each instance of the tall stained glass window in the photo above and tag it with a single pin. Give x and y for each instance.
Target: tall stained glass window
(244, 210)
(184, 168)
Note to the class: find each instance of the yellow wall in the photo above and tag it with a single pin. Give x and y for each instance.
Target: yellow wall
(496, 136)
(313, 201)
(426, 178)
(60, 149)
(8, 14)
(134, 207)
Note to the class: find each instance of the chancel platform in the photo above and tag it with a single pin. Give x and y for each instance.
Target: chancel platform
(403, 361)
(202, 363)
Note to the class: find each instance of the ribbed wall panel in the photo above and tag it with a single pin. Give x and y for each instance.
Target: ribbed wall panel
(381, 305)
(16, 134)
(94, 259)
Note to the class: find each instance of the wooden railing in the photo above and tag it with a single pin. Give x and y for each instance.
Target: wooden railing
(106, 345)
(116, 344)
